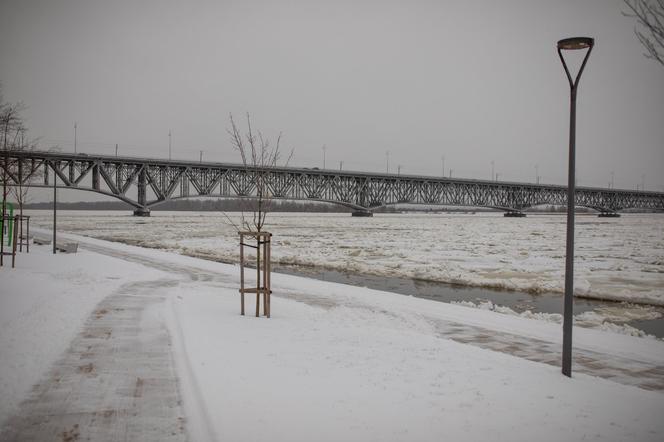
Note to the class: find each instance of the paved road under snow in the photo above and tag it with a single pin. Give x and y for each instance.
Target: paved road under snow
(116, 382)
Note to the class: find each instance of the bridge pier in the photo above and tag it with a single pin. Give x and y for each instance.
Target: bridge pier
(514, 214)
(608, 215)
(365, 213)
(141, 211)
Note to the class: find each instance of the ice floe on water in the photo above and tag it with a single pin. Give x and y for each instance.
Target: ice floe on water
(603, 318)
(615, 258)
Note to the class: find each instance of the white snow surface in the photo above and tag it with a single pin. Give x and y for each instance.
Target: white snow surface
(615, 258)
(354, 364)
(44, 302)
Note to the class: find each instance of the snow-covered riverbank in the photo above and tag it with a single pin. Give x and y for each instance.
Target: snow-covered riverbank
(334, 362)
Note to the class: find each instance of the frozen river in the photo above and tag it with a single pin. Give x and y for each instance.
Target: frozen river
(620, 259)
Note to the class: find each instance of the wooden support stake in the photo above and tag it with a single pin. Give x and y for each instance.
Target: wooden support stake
(20, 235)
(2, 237)
(15, 232)
(241, 274)
(263, 256)
(268, 273)
(258, 275)
(264, 282)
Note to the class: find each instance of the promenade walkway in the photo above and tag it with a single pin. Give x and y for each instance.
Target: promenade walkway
(118, 380)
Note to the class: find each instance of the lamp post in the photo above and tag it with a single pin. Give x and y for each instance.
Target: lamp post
(55, 207)
(572, 44)
(612, 186)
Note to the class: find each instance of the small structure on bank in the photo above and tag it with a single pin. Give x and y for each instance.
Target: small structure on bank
(8, 233)
(261, 242)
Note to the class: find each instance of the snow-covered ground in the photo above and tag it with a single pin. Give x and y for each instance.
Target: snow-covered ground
(43, 304)
(333, 363)
(616, 258)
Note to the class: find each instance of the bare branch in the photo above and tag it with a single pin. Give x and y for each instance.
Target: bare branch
(258, 157)
(649, 15)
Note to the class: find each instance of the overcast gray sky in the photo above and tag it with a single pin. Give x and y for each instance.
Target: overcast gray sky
(474, 81)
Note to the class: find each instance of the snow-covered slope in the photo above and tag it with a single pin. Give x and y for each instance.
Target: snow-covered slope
(334, 362)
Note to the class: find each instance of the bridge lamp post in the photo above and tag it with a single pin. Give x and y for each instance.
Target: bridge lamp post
(612, 186)
(571, 44)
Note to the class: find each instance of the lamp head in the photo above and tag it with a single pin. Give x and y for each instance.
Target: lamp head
(576, 43)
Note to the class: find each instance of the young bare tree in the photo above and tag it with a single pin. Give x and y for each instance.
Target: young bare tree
(21, 188)
(258, 157)
(649, 15)
(11, 128)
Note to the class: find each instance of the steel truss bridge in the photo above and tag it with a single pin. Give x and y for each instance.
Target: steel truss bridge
(154, 181)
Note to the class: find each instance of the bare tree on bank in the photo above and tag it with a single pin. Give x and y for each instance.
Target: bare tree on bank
(13, 137)
(22, 186)
(258, 157)
(649, 15)
(11, 128)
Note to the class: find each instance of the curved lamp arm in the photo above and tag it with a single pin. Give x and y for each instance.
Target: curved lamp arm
(575, 43)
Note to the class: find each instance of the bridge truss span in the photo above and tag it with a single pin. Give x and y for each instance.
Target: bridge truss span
(144, 183)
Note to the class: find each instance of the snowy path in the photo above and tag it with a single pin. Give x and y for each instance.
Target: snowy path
(116, 382)
(149, 364)
(647, 374)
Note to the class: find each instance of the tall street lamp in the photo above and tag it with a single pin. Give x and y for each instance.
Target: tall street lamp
(571, 44)
(55, 207)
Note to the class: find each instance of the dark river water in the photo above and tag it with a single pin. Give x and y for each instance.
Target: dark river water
(437, 291)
